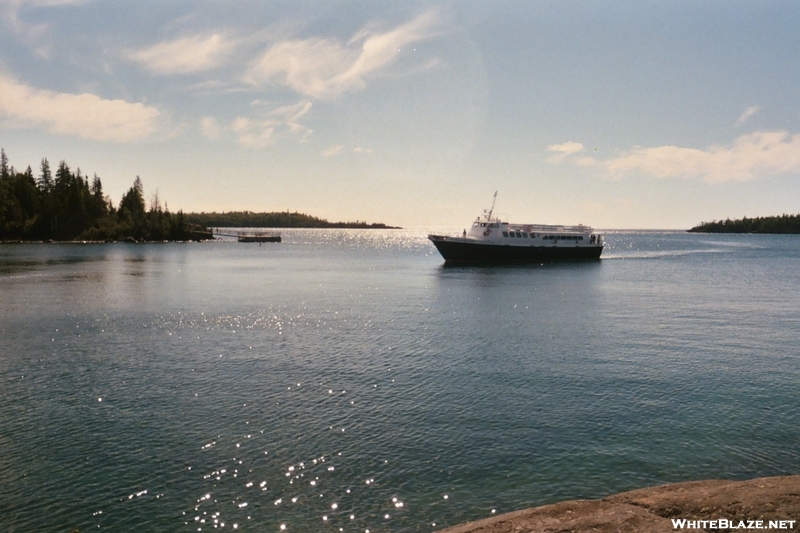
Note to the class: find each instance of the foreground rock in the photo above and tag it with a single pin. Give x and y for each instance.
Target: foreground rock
(652, 509)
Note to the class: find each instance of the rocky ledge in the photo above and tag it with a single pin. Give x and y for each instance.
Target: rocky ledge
(740, 505)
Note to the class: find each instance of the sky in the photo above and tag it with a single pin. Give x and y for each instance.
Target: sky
(634, 114)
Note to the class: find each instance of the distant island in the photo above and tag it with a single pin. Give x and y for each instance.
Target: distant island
(775, 224)
(249, 219)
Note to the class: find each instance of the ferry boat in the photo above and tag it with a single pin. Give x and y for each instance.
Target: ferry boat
(491, 240)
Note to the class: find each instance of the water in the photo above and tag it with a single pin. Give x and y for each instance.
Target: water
(345, 380)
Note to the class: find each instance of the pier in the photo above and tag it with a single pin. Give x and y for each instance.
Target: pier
(250, 236)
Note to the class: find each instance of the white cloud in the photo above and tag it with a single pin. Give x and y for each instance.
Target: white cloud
(186, 55)
(84, 115)
(280, 122)
(209, 128)
(749, 112)
(563, 150)
(332, 151)
(326, 68)
(749, 157)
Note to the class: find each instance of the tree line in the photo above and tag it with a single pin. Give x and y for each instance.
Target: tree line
(248, 219)
(66, 206)
(775, 224)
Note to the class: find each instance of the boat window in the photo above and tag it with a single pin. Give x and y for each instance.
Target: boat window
(505, 234)
(525, 235)
(512, 234)
(580, 237)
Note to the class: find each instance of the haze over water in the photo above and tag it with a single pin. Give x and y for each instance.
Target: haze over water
(345, 380)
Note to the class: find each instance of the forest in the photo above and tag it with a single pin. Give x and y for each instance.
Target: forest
(248, 219)
(775, 224)
(68, 206)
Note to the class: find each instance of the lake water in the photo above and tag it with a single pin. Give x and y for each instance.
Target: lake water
(344, 380)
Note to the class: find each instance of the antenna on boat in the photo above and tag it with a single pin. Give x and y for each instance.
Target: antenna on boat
(492, 209)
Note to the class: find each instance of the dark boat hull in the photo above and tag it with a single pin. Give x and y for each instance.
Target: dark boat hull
(462, 251)
(259, 238)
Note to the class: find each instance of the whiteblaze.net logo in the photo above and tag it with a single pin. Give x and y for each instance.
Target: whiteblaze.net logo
(724, 523)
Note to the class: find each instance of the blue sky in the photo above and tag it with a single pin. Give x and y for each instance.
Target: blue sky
(613, 114)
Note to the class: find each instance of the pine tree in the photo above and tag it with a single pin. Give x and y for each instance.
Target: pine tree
(99, 206)
(4, 173)
(45, 182)
(63, 177)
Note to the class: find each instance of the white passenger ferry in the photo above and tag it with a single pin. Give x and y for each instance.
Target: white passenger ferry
(491, 240)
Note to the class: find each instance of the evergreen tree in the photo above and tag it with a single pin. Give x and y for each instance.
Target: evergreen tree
(63, 178)
(4, 172)
(46, 178)
(98, 205)
(69, 206)
(131, 212)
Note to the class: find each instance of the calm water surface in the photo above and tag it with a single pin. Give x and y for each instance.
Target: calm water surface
(345, 380)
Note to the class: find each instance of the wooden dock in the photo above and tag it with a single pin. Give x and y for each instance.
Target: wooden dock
(251, 236)
(259, 238)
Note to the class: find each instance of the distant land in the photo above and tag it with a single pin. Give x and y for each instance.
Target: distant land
(67, 205)
(777, 224)
(249, 219)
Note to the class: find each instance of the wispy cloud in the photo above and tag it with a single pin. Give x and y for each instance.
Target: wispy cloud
(186, 55)
(563, 150)
(280, 122)
(332, 151)
(749, 157)
(210, 128)
(83, 115)
(749, 112)
(339, 149)
(326, 68)
(35, 35)
(10, 9)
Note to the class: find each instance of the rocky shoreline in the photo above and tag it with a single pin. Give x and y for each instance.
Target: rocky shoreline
(741, 504)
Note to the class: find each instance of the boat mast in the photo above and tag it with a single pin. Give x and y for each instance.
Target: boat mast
(492, 209)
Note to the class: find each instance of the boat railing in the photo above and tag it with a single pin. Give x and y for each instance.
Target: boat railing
(551, 228)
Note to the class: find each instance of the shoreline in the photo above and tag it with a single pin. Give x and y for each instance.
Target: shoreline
(653, 509)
